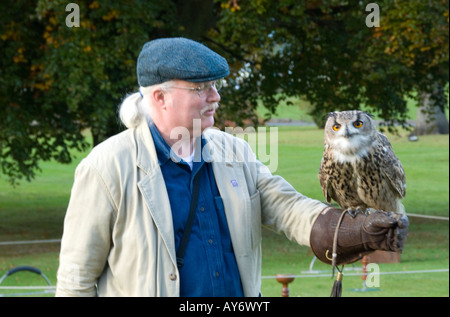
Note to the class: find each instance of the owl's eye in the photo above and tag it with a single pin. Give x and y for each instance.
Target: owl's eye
(358, 124)
(336, 127)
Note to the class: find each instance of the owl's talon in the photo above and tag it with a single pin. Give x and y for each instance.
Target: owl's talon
(353, 211)
(369, 211)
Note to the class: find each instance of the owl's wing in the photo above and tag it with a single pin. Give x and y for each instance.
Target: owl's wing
(393, 168)
(324, 172)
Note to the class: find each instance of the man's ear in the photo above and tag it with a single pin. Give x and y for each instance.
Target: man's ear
(158, 97)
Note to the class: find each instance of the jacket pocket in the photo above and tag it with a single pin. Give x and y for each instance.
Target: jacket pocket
(255, 219)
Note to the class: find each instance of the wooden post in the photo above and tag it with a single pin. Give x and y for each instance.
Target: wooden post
(284, 280)
(364, 261)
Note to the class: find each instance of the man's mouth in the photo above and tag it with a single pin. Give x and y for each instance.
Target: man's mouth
(209, 109)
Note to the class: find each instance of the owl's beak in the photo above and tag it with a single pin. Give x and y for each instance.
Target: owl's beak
(347, 133)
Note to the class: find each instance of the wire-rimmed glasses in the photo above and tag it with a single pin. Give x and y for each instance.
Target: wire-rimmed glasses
(204, 88)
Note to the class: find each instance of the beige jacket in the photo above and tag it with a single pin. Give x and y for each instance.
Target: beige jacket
(118, 238)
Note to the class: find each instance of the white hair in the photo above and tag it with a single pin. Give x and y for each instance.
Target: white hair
(137, 106)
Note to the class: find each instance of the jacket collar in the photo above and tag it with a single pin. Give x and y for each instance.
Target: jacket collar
(152, 187)
(147, 158)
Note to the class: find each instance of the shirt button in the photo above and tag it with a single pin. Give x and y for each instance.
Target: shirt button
(210, 241)
(202, 209)
(173, 277)
(217, 274)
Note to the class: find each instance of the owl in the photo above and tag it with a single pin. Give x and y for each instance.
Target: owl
(359, 169)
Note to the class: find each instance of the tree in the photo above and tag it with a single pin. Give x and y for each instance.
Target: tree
(324, 51)
(61, 79)
(431, 118)
(417, 33)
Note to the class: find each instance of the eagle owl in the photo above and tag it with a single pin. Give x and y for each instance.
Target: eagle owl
(359, 169)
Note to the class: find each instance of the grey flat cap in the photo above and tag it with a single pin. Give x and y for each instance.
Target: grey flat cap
(178, 58)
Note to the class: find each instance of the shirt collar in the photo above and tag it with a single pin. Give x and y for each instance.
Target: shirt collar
(164, 152)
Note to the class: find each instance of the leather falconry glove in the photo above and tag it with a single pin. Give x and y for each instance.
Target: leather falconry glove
(356, 236)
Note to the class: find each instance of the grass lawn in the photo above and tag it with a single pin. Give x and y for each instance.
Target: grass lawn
(298, 110)
(427, 173)
(35, 210)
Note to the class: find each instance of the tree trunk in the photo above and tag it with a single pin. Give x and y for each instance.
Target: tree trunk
(430, 117)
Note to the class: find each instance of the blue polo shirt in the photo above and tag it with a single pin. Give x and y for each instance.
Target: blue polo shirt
(210, 268)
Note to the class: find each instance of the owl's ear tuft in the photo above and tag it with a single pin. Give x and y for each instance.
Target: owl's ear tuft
(368, 114)
(330, 114)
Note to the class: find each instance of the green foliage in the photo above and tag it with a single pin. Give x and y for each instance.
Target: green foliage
(58, 81)
(323, 52)
(61, 80)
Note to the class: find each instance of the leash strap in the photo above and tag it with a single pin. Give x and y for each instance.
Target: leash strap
(187, 230)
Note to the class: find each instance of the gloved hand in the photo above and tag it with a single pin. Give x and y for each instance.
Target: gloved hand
(357, 236)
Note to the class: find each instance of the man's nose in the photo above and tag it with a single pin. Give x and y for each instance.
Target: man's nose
(213, 95)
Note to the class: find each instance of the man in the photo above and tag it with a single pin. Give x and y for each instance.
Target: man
(131, 196)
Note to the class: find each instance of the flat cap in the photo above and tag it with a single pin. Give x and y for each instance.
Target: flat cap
(178, 58)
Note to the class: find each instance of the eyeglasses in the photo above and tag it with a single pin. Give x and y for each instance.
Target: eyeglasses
(204, 88)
